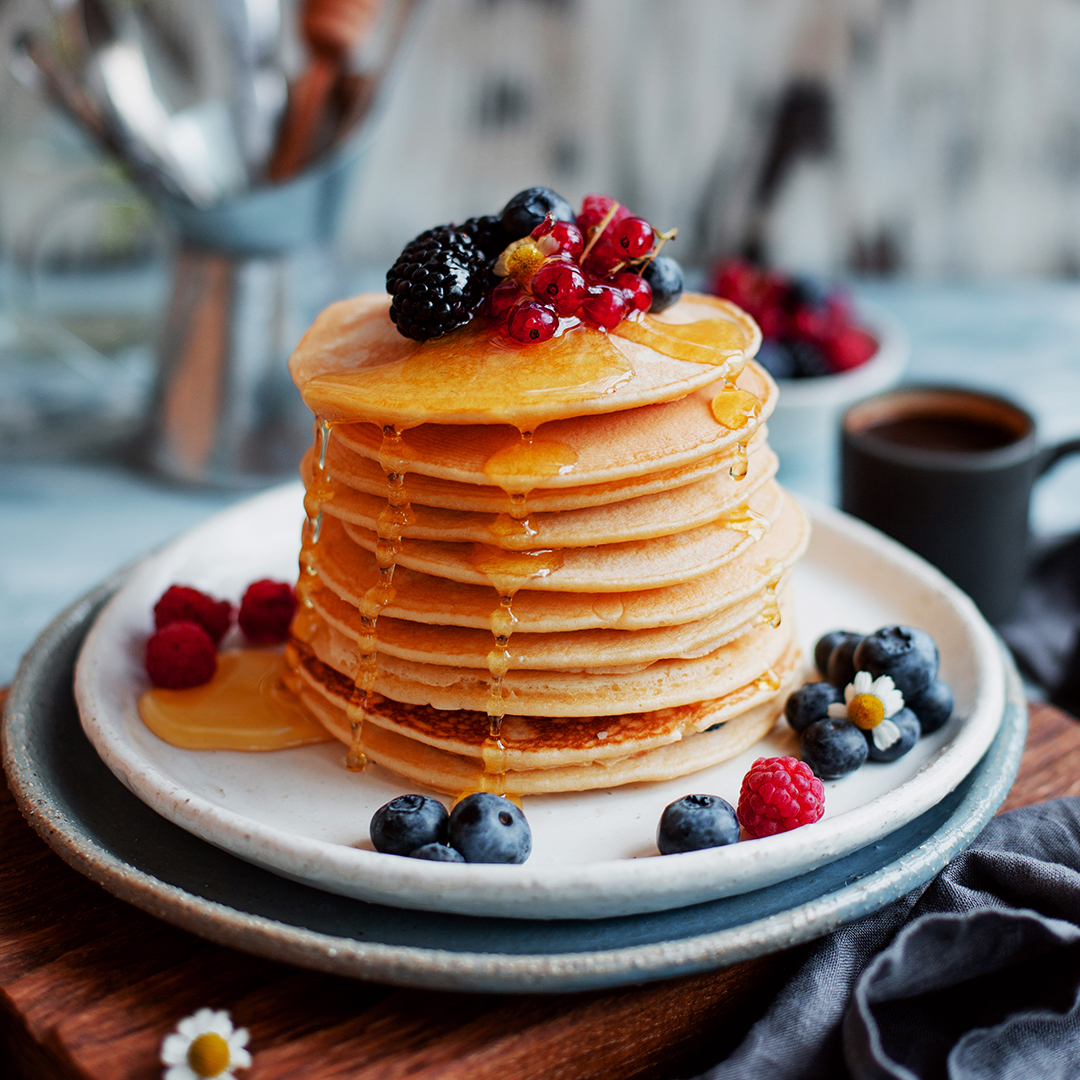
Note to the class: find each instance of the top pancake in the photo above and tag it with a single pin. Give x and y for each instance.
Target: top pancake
(353, 365)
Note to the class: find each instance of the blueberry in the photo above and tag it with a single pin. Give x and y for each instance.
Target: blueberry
(775, 357)
(529, 207)
(407, 823)
(810, 361)
(908, 723)
(825, 645)
(908, 656)
(486, 828)
(665, 278)
(810, 703)
(437, 853)
(832, 748)
(841, 667)
(695, 822)
(933, 706)
(805, 291)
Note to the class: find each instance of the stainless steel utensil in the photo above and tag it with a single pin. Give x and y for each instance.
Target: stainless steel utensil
(198, 98)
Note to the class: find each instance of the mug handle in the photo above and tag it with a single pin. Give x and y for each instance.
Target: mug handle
(1053, 454)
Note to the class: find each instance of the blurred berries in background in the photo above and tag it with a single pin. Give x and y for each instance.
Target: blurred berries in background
(808, 330)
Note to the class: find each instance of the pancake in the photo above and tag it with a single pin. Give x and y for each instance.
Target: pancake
(351, 572)
(594, 691)
(353, 364)
(549, 567)
(591, 449)
(446, 753)
(366, 475)
(572, 650)
(642, 518)
(630, 566)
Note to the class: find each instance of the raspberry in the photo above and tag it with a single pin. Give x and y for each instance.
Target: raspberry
(779, 794)
(180, 655)
(266, 611)
(850, 348)
(594, 209)
(181, 603)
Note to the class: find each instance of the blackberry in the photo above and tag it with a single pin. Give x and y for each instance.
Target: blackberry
(487, 233)
(437, 283)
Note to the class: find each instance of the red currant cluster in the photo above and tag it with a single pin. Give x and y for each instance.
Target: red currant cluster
(565, 272)
(808, 330)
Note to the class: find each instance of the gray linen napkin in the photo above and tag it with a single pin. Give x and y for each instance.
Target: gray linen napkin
(975, 977)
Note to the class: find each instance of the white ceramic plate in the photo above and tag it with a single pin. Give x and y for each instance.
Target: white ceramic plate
(301, 814)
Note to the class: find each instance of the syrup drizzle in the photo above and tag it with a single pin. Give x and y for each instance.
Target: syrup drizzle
(743, 519)
(736, 409)
(391, 523)
(770, 613)
(318, 493)
(769, 680)
(508, 566)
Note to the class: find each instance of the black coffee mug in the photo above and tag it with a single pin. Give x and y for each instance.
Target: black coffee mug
(949, 473)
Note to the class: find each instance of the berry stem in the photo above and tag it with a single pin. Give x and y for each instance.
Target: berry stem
(596, 233)
(664, 238)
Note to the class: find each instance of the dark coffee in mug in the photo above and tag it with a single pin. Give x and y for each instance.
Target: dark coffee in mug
(949, 473)
(944, 433)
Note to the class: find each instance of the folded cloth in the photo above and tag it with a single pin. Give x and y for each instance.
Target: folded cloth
(974, 977)
(1044, 634)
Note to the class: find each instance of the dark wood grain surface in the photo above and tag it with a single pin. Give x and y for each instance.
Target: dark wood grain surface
(89, 987)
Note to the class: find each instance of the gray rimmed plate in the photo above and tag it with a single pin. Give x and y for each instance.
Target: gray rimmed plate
(72, 799)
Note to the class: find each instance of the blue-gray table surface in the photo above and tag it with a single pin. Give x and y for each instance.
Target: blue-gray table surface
(66, 525)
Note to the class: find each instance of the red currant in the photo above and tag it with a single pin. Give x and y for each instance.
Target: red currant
(634, 237)
(530, 322)
(606, 306)
(503, 297)
(637, 290)
(561, 284)
(559, 238)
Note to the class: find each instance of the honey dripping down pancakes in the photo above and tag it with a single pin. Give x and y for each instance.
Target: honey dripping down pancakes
(544, 549)
(542, 567)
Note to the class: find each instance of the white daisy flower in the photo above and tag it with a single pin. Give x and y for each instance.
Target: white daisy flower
(205, 1045)
(868, 703)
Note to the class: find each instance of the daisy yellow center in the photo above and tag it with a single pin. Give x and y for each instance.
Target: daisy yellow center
(208, 1055)
(866, 711)
(522, 263)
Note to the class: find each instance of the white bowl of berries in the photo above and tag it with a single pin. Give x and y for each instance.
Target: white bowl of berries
(824, 354)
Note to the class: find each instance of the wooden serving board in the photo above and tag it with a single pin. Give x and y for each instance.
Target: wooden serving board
(89, 987)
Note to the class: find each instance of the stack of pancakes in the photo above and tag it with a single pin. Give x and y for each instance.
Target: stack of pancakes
(547, 567)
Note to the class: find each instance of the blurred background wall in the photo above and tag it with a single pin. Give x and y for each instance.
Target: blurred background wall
(933, 138)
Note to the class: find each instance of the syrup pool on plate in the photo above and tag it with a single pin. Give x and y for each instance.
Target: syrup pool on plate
(245, 706)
